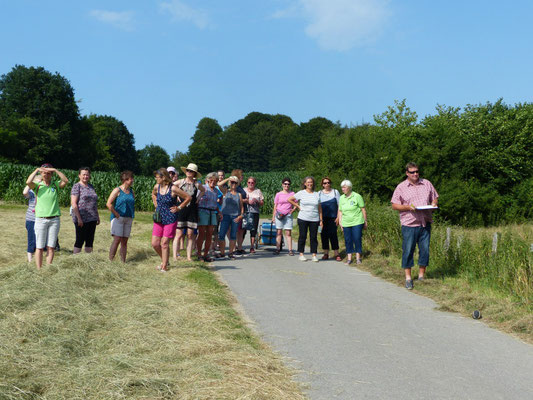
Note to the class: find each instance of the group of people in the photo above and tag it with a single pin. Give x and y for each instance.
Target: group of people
(206, 213)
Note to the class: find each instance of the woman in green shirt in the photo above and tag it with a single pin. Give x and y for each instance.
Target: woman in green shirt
(46, 211)
(352, 219)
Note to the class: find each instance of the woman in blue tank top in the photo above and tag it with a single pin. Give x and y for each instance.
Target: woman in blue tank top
(232, 211)
(121, 203)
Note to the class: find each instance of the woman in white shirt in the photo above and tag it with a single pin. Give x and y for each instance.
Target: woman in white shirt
(309, 216)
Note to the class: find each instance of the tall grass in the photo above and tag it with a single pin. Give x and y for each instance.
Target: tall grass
(469, 254)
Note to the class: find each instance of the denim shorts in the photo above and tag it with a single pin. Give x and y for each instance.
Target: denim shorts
(207, 217)
(284, 223)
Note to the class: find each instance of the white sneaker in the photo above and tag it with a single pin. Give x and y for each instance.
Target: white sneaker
(302, 258)
(315, 259)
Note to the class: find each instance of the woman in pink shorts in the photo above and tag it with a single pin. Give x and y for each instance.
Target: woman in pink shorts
(164, 197)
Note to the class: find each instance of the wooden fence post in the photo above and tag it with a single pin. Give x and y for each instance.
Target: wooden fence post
(448, 238)
(495, 243)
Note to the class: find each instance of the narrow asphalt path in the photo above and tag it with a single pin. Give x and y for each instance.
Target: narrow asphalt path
(354, 336)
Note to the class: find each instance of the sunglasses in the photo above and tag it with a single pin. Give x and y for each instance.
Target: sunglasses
(286, 183)
(172, 173)
(251, 182)
(412, 172)
(233, 182)
(190, 170)
(326, 183)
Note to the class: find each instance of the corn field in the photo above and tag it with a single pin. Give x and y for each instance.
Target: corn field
(13, 179)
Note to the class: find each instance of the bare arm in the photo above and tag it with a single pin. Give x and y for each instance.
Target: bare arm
(64, 179)
(186, 197)
(30, 179)
(292, 200)
(112, 197)
(320, 213)
(154, 195)
(26, 191)
(403, 207)
(363, 210)
(74, 204)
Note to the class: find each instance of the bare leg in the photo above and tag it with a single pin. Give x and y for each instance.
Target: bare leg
(201, 239)
(278, 239)
(190, 243)
(175, 246)
(156, 244)
(88, 249)
(123, 248)
(288, 237)
(407, 274)
(231, 246)
(421, 271)
(164, 252)
(208, 237)
(29, 256)
(50, 255)
(114, 247)
(222, 247)
(76, 250)
(240, 238)
(39, 258)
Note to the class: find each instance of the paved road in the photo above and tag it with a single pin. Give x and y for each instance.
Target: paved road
(354, 336)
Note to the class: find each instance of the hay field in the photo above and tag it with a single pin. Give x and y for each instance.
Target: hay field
(87, 328)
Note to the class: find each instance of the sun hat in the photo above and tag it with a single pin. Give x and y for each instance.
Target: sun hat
(192, 167)
(171, 169)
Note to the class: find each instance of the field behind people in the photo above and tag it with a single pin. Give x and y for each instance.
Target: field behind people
(87, 328)
(13, 178)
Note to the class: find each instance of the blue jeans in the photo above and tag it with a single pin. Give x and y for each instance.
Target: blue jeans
(412, 236)
(228, 221)
(30, 227)
(353, 238)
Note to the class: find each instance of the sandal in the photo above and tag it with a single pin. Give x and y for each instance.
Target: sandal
(208, 259)
(338, 258)
(325, 257)
(276, 252)
(291, 253)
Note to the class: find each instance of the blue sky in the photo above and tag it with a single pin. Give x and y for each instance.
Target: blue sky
(162, 65)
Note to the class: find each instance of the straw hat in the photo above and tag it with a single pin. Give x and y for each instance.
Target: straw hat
(192, 167)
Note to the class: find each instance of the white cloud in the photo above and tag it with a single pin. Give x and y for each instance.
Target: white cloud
(122, 20)
(183, 12)
(342, 24)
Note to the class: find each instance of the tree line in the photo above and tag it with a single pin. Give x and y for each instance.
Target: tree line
(480, 157)
(40, 120)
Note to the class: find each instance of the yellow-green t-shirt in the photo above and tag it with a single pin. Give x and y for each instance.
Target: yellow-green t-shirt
(47, 200)
(350, 207)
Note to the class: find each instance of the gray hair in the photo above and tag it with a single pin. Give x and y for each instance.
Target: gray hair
(211, 175)
(346, 183)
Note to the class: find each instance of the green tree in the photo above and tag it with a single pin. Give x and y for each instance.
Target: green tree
(114, 143)
(151, 158)
(204, 149)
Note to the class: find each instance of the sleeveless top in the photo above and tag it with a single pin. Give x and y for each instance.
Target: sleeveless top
(329, 203)
(209, 200)
(164, 202)
(124, 204)
(231, 204)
